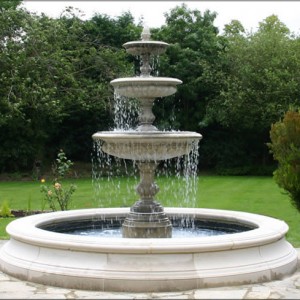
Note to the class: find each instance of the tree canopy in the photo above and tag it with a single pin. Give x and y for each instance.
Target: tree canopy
(55, 87)
(54, 78)
(259, 81)
(192, 56)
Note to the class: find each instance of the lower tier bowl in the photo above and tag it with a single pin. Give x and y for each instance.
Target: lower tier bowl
(150, 145)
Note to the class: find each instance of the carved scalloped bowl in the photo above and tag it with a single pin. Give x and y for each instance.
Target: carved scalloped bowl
(150, 146)
(146, 47)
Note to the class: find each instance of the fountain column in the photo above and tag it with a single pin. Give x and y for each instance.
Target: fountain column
(146, 116)
(146, 218)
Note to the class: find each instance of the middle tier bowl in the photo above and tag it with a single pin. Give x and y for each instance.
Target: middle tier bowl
(147, 146)
(145, 87)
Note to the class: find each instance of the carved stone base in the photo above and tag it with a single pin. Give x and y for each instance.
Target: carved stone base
(147, 225)
(147, 218)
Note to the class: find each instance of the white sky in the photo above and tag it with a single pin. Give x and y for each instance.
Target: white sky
(249, 13)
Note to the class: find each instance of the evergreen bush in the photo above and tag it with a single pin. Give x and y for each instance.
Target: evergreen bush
(285, 146)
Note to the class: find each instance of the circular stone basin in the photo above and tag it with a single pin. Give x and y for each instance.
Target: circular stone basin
(112, 227)
(149, 145)
(145, 87)
(145, 47)
(147, 265)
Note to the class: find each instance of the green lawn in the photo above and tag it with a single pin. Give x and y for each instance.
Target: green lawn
(252, 194)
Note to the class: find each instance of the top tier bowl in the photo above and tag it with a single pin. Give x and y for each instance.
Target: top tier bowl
(145, 47)
(145, 86)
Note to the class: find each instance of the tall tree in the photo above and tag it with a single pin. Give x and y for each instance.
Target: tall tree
(192, 56)
(11, 4)
(52, 80)
(101, 29)
(261, 80)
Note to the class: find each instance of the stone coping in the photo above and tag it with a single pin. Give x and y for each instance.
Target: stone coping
(268, 230)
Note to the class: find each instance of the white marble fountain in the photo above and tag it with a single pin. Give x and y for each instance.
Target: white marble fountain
(147, 258)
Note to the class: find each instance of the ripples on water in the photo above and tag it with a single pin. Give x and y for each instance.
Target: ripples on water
(176, 232)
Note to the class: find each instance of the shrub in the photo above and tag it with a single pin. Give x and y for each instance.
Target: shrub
(285, 146)
(5, 211)
(57, 194)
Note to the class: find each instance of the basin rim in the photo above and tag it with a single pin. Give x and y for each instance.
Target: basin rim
(268, 230)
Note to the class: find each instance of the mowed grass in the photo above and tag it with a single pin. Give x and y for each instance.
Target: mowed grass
(241, 193)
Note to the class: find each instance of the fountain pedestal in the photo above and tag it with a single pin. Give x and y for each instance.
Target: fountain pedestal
(147, 218)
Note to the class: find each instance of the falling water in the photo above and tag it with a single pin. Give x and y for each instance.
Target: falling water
(109, 173)
(114, 179)
(182, 180)
(125, 113)
(154, 65)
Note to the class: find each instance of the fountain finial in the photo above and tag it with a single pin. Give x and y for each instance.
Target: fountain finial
(146, 33)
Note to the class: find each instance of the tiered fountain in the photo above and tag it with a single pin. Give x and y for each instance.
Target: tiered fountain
(146, 144)
(147, 258)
